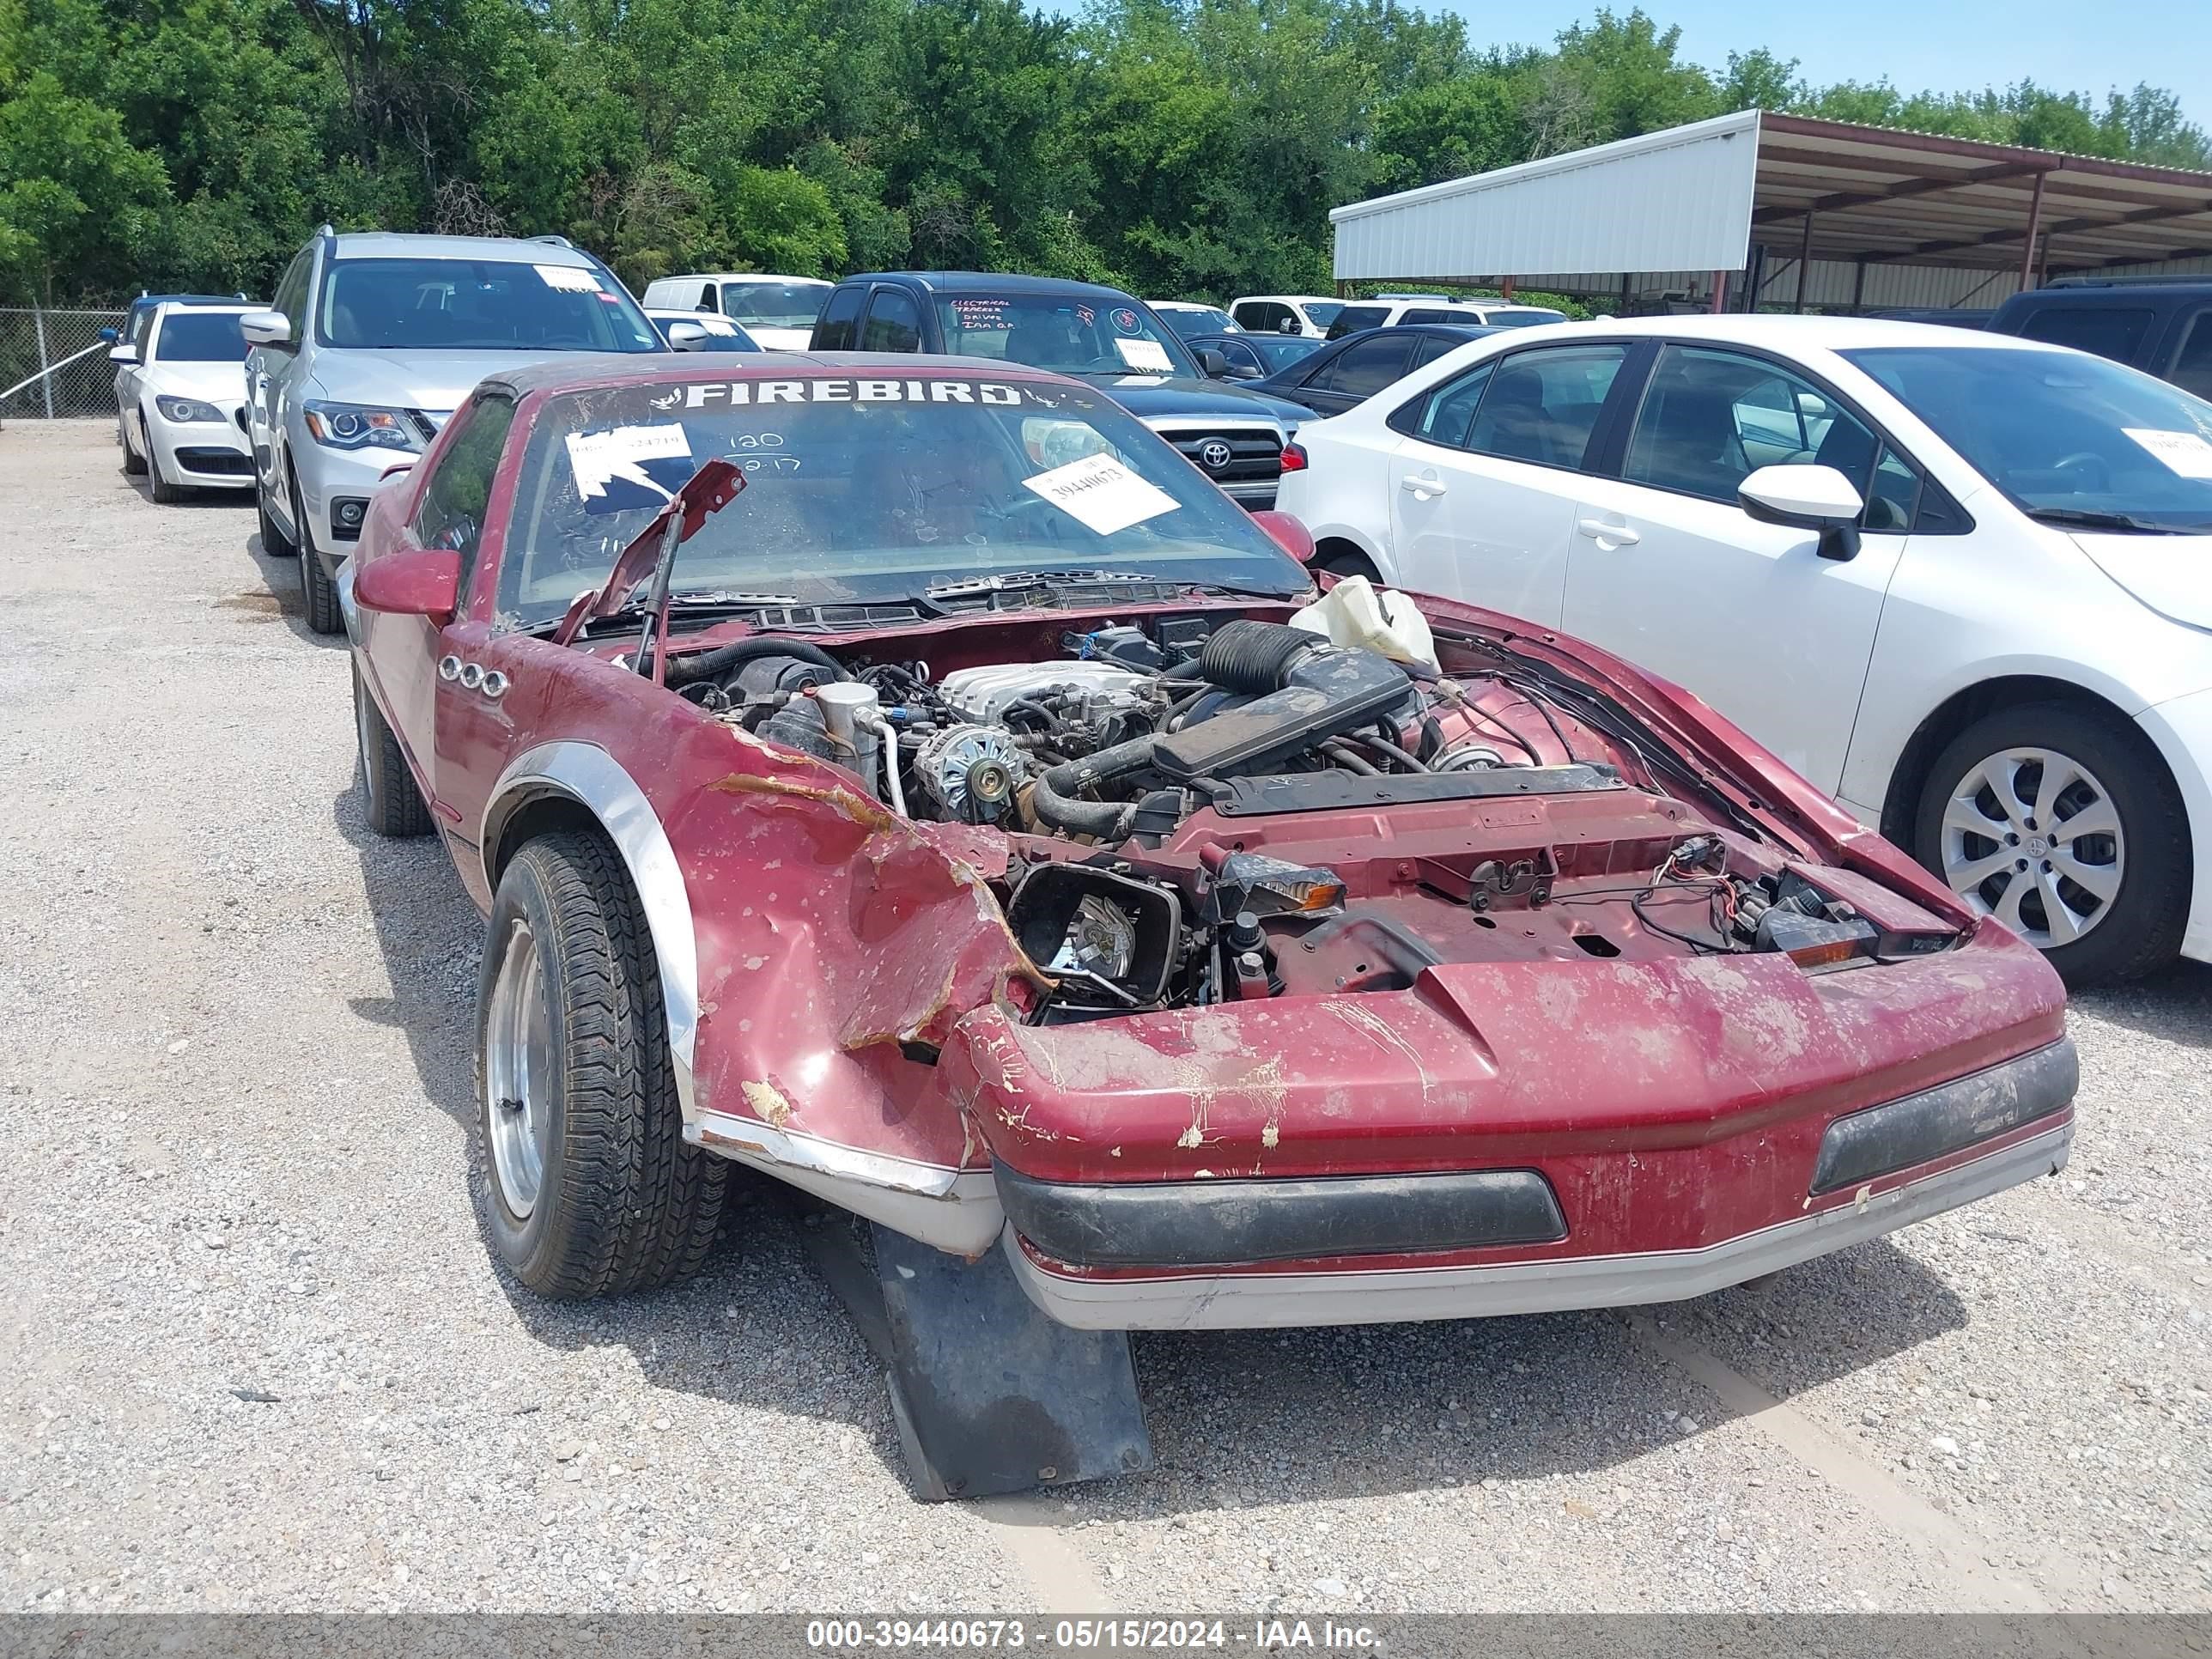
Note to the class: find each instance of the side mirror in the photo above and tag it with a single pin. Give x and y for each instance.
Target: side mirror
(1287, 532)
(1289, 326)
(417, 582)
(1243, 372)
(1817, 498)
(267, 328)
(686, 336)
(123, 354)
(1811, 405)
(1215, 365)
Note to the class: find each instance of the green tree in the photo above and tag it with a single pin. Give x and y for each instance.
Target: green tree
(81, 208)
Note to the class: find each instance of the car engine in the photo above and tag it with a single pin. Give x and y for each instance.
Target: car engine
(1094, 761)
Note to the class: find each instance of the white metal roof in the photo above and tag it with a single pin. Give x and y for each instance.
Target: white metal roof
(1677, 200)
(1869, 204)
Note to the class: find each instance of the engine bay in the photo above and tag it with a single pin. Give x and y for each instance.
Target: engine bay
(1208, 807)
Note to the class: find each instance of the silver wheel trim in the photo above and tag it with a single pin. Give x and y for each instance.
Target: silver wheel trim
(519, 1073)
(2054, 835)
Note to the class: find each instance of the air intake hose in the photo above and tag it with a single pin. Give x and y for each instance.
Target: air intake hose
(1254, 656)
(714, 665)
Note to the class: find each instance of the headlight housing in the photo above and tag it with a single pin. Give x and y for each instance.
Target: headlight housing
(359, 426)
(187, 411)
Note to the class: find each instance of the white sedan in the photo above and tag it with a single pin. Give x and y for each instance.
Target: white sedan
(180, 398)
(1963, 582)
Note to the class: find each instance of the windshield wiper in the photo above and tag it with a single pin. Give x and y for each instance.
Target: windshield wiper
(1016, 589)
(2081, 518)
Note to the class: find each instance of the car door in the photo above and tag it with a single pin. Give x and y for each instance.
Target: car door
(1354, 373)
(268, 371)
(1668, 571)
(453, 732)
(130, 377)
(893, 322)
(1483, 490)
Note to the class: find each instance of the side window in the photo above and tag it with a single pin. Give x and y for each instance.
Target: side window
(450, 511)
(1893, 495)
(291, 296)
(2193, 362)
(834, 332)
(1364, 369)
(708, 299)
(1711, 418)
(893, 323)
(1433, 346)
(1237, 354)
(1432, 315)
(1263, 316)
(2114, 331)
(142, 325)
(1542, 406)
(1449, 410)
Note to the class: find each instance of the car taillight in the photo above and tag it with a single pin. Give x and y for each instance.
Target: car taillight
(1294, 458)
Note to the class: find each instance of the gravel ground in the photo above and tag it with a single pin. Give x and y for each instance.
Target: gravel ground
(258, 1358)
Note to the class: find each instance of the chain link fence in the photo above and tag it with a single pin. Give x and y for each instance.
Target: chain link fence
(59, 360)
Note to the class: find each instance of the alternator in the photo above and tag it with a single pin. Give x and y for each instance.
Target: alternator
(970, 772)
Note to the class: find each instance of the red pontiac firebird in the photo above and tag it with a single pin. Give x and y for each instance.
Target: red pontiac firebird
(904, 776)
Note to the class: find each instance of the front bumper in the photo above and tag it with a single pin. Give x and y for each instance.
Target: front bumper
(328, 477)
(1258, 497)
(1246, 1300)
(203, 454)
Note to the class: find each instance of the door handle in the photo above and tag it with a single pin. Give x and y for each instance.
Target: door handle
(1422, 486)
(1599, 531)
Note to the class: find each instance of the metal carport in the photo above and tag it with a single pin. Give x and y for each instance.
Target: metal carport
(1766, 209)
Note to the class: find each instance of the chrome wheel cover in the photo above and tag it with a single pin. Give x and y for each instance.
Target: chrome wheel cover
(2031, 836)
(518, 1072)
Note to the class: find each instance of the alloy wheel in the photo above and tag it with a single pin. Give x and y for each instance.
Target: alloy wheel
(519, 1073)
(2031, 836)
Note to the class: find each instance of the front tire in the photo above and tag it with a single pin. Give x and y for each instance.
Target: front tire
(165, 493)
(389, 801)
(134, 463)
(319, 592)
(589, 1187)
(2062, 822)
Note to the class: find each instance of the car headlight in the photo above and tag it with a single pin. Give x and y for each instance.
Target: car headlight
(183, 410)
(358, 426)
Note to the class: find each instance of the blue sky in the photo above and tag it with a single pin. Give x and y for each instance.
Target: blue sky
(1945, 44)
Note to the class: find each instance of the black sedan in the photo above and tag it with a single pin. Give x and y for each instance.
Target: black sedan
(1354, 368)
(1254, 356)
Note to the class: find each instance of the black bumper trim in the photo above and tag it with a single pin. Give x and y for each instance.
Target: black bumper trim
(1214, 1224)
(1948, 1118)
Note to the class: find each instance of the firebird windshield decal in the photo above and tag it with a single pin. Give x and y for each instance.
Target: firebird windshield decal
(717, 394)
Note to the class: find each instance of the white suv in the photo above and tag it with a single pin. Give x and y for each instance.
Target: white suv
(1962, 581)
(1386, 310)
(372, 341)
(778, 312)
(1309, 314)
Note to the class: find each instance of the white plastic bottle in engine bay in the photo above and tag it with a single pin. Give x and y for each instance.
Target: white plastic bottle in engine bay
(1356, 612)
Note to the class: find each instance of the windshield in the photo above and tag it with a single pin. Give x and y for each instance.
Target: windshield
(200, 337)
(1202, 320)
(478, 305)
(774, 305)
(870, 491)
(1527, 318)
(1071, 337)
(1350, 319)
(2062, 432)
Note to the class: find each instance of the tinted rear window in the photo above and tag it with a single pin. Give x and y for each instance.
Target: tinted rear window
(2114, 331)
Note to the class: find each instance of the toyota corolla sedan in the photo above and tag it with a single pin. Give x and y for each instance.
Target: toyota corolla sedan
(914, 778)
(1962, 582)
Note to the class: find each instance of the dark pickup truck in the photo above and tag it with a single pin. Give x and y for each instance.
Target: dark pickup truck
(1235, 437)
(2162, 326)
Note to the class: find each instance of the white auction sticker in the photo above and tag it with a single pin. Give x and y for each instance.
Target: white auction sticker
(569, 279)
(1100, 494)
(2184, 452)
(600, 457)
(1148, 355)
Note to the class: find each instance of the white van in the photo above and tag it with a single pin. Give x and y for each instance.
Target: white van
(778, 312)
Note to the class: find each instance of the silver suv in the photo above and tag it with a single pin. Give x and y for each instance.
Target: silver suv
(372, 340)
